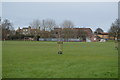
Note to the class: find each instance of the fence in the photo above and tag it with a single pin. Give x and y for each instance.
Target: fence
(62, 39)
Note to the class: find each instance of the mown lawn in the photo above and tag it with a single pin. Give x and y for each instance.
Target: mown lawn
(30, 59)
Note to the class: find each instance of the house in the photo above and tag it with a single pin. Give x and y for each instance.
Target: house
(83, 34)
(84, 31)
(28, 31)
(103, 35)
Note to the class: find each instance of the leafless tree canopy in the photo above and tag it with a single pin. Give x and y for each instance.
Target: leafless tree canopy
(67, 24)
(50, 24)
(36, 24)
(82, 34)
(6, 24)
(115, 29)
(67, 29)
(7, 29)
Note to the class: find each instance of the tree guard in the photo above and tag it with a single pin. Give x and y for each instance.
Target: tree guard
(60, 47)
(60, 43)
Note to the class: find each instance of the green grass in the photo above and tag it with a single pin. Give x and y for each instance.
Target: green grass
(0, 59)
(30, 59)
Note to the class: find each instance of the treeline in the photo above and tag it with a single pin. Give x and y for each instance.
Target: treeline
(46, 28)
(7, 30)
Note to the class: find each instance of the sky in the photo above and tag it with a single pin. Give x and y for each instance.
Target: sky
(83, 14)
(60, 0)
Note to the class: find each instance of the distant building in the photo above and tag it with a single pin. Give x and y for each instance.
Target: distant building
(104, 35)
(72, 34)
(88, 31)
(28, 31)
(84, 34)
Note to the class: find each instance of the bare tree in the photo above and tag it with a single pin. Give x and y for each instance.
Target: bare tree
(36, 24)
(67, 24)
(82, 34)
(49, 24)
(115, 29)
(67, 29)
(7, 29)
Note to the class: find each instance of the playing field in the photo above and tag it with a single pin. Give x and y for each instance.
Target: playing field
(30, 59)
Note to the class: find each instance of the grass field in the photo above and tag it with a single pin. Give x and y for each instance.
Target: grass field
(30, 59)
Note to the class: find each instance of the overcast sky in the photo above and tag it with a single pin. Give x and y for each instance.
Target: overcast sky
(82, 14)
